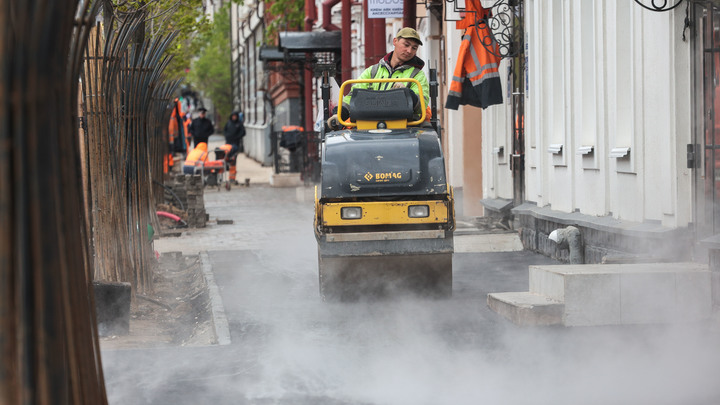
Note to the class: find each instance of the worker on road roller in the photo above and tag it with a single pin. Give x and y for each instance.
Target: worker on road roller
(384, 211)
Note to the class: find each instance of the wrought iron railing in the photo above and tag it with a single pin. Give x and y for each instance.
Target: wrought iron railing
(297, 152)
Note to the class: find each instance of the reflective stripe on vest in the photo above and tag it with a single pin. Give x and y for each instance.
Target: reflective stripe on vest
(374, 71)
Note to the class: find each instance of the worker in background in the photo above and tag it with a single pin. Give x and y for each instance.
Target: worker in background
(176, 128)
(172, 132)
(201, 128)
(186, 126)
(234, 132)
(403, 63)
(195, 157)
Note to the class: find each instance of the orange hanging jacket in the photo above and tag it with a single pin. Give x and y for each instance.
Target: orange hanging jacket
(476, 80)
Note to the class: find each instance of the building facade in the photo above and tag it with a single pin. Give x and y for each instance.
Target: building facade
(607, 121)
(617, 128)
(250, 78)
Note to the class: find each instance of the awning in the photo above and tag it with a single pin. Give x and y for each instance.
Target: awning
(320, 41)
(275, 54)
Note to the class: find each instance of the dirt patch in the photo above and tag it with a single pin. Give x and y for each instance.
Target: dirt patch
(178, 311)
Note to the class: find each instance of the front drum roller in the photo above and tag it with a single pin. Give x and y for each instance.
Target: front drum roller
(349, 278)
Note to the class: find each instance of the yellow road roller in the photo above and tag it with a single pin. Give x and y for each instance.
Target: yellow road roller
(384, 211)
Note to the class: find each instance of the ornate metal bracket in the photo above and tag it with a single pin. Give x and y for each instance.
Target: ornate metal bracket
(503, 24)
(658, 5)
(500, 28)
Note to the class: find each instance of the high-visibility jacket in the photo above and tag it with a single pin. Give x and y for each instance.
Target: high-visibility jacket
(172, 129)
(197, 155)
(176, 117)
(476, 80)
(411, 69)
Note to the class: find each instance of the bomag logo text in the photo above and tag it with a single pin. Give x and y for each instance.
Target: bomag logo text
(382, 177)
(385, 177)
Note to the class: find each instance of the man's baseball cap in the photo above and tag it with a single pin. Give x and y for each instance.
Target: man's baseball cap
(409, 33)
(201, 109)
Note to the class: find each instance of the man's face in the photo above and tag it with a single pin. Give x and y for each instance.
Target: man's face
(405, 49)
(202, 114)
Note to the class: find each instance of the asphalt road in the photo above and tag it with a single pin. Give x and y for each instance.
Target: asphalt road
(288, 347)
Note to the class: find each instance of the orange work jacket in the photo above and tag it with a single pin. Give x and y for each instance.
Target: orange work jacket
(476, 80)
(199, 154)
(176, 118)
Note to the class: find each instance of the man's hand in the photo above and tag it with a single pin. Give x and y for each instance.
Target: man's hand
(399, 85)
(333, 122)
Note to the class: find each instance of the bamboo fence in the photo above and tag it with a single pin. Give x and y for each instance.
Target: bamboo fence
(126, 101)
(70, 212)
(49, 350)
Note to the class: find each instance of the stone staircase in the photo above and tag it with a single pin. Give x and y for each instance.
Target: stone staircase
(609, 294)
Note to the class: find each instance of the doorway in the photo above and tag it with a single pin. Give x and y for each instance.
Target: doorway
(518, 81)
(704, 152)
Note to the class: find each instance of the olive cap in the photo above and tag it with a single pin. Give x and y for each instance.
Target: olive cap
(409, 33)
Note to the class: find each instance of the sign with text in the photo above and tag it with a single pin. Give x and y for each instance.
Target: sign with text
(385, 8)
(390, 176)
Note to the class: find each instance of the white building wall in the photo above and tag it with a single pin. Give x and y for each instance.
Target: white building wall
(606, 74)
(497, 143)
(556, 129)
(587, 110)
(658, 116)
(253, 80)
(454, 126)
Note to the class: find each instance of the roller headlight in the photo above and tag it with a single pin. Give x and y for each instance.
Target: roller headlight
(351, 213)
(418, 211)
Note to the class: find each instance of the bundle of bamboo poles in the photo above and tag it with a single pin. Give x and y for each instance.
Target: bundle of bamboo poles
(125, 100)
(49, 350)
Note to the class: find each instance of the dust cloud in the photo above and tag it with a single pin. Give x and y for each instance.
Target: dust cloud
(407, 353)
(289, 347)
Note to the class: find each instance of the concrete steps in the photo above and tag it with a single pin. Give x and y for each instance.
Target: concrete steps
(525, 308)
(609, 294)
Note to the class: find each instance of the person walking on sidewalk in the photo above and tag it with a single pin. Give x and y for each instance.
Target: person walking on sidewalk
(234, 132)
(201, 128)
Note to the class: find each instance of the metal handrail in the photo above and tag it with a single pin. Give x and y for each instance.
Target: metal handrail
(394, 80)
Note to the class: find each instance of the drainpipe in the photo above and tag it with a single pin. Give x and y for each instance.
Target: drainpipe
(346, 43)
(374, 38)
(327, 6)
(410, 13)
(380, 39)
(570, 238)
(368, 23)
(310, 19)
